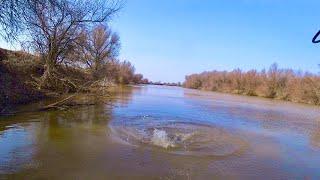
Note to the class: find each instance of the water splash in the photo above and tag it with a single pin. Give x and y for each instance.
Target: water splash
(182, 139)
(160, 138)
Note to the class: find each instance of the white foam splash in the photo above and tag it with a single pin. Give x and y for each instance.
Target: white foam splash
(160, 138)
(182, 139)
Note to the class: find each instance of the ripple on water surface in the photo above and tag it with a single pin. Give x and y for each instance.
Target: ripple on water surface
(188, 139)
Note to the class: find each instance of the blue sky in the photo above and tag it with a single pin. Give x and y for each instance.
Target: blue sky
(167, 39)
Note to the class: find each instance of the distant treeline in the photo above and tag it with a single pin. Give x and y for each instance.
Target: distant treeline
(285, 84)
(163, 83)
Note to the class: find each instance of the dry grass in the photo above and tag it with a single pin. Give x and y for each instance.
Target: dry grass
(21, 72)
(276, 83)
(16, 71)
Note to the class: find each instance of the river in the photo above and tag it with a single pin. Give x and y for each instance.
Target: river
(160, 132)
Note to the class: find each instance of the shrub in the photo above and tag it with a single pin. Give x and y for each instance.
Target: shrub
(275, 83)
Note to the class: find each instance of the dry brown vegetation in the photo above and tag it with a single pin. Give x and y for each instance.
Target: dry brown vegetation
(71, 38)
(284, 84)
(14, 78)
(67, 44)
(21, 72)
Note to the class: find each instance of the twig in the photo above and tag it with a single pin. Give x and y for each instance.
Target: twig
(56, 104)
(61, 102)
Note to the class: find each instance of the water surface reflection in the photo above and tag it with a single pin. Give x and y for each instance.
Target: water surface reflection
(158, 132)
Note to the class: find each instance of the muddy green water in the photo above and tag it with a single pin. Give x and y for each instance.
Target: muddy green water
(159, 132)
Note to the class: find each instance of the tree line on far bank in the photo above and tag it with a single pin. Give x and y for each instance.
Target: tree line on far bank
(276, 83)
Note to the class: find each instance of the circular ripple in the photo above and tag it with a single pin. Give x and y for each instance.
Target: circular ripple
(182, 139)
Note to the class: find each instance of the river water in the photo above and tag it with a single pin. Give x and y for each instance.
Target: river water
(159, 132)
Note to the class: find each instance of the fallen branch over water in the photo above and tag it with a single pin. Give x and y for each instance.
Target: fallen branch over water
(57, 104)
(65, 102)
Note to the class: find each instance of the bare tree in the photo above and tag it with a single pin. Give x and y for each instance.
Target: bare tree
(97, 49)
(9, 18)
(126, 72)
(53, 26)
(138, 78)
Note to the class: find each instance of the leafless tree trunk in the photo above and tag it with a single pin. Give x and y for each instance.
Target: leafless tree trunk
(53, 26)
(56, 25)
(96, 49)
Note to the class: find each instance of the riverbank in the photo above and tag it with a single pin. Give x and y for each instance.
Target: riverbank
(279, 100)
(16, 72)
(21, 76)
(275, 83)
(20, 73)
